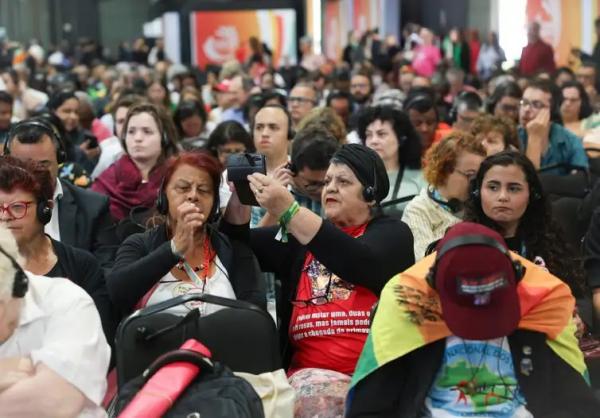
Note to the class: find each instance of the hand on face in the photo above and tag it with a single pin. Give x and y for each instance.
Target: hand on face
(270, 194)
(189, 220)
(539, 127)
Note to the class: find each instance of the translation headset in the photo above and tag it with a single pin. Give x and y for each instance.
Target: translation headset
(483, 240)
(370, 192)
(476, 193)
(290, 130)
(453, 205)
(162, 203)
(43, 210)
(48, 128)
(21, 282)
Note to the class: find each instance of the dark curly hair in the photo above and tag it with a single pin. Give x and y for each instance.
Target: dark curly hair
(540, 234)
(409, 152)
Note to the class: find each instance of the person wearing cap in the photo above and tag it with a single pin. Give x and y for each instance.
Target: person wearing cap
(225, 100)
(332, 269)
(472, 330)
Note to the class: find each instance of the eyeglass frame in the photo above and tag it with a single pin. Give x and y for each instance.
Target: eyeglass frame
(301, 100)
(305, 303)
(534, 104)
(6, 208)
(468, 176)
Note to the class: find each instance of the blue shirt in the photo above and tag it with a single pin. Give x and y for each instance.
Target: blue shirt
(564, 148)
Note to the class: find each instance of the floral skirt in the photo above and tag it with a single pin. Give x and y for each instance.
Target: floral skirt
(320, 393)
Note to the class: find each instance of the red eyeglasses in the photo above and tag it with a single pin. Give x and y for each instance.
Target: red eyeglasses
(16, 210)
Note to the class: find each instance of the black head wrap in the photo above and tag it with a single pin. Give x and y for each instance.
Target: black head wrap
(367, 166)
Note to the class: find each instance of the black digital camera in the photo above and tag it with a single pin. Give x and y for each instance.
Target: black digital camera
(239, 167)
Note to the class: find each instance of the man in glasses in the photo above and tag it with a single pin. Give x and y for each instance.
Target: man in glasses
(302, 99)
(548, 145)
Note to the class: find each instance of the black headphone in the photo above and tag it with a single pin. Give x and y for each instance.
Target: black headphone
(21, 282)
(44, 125)
(162, 203)
(478, 239)
(454, 205)
(370, 192)
(475, 192)
(43, 212)
(290, 131)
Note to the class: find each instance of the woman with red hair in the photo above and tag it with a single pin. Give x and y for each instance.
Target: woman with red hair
(185, 254)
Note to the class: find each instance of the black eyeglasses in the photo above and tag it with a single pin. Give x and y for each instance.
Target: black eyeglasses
(315, 300)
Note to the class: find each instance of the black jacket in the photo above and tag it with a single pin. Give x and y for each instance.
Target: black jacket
(144, 258)
(553, 389)
(385, 249)
(84, 270)
(85, 222)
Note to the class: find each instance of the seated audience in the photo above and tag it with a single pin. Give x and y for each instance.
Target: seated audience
(423, 114)
(324, 118)
(574, 107)
(134, 179)
(112, 148)
(504, 101)
(191, 122)
(547, 144)
(507, 196)
(450, 165)
(26, 199)
(466, 107)
(80, 218)
(473, 330)
(185, 254)
(53, 354)
(332, 269)
(6, 111)
(389, 133)
(65, 106)
(495, 133)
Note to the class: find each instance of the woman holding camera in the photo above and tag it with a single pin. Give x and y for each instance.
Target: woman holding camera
(332, 269)
(185, 254)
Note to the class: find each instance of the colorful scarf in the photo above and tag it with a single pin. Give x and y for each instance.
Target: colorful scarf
(409, 316)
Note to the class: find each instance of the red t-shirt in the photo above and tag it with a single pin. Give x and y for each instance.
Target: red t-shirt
(329, 336)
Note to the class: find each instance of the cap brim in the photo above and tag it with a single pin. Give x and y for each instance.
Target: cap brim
(498, 319)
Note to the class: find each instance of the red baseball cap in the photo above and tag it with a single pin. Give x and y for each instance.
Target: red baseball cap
(477, 284)
(223, 86)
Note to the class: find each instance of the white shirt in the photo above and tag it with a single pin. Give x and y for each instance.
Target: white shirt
(52, 228)
(111, 151)
(60, 327)
(170, 287)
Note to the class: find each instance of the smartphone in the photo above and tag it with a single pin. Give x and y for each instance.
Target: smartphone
(89, 136)
(239, 167)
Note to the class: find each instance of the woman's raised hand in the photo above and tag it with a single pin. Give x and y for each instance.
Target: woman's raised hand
(189, 220)
(270, 194)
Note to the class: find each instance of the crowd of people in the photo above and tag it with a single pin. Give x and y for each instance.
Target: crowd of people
(426, 236)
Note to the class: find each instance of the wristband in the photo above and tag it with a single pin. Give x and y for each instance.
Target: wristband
(175, 251)
(284, 220)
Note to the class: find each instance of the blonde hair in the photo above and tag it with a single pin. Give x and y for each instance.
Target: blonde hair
(7, 271)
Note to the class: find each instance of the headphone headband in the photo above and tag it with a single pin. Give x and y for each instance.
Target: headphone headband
(45, 126)
(473, 239)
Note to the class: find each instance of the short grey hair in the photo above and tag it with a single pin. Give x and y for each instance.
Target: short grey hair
(7, 271)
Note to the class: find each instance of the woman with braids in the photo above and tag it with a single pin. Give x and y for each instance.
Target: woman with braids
(506, 195)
